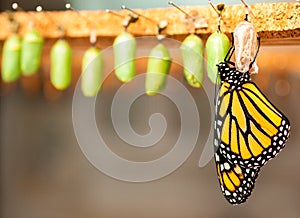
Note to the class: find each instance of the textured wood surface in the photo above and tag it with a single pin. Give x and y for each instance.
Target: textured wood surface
(272, 20)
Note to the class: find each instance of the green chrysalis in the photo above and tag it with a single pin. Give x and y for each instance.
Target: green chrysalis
(158, 67)
(192, 55)
(217, 46)
(11, 58)
(92, 71)
(124, 52)
(31, 53)
(61, 63)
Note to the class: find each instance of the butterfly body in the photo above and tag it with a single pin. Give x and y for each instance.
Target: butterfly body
(232, 76)
(249, 131)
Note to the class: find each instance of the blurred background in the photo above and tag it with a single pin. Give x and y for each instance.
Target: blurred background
(45, 174)
(113, 4)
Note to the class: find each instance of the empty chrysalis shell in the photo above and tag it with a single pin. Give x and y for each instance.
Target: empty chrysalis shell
(192, 56)
(158, 67)
(61, 64)
(124, 53)
(246, 45)
(217, 46)
(31, 53)
(92, 71)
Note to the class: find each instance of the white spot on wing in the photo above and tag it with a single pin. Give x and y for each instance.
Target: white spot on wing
(227, 166)
(227, 193)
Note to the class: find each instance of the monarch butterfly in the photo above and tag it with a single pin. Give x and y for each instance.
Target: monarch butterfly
(249, 131)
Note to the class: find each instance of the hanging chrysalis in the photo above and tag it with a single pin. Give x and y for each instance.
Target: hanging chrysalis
(61, 62)
(124, 51)
(158, 67)
(245, 42)
(192, 48)
(159, 63)
(11, 58)
(11, 53)
(32, 46)
(217, 46)
(92, 69)
(192, 56)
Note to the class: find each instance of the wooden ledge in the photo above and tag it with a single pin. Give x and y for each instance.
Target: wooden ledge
(273, 21)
